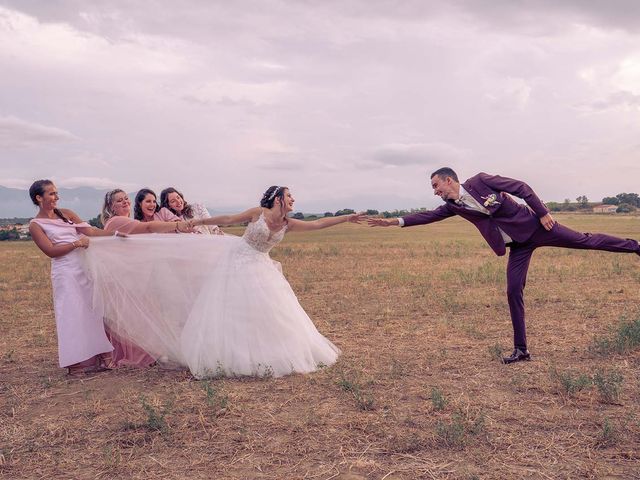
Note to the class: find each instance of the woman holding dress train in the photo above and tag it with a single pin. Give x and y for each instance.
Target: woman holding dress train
(83, 346)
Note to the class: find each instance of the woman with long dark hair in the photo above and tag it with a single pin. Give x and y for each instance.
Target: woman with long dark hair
(172, 200)
(83, 346)
(146, 208)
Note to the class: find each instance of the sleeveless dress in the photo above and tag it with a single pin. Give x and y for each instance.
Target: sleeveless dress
(247, 320)
(216, 304)
(81, 333)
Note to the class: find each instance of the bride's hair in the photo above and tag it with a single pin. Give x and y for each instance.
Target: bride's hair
(271, 194)
(140, 196)
(107, 206)
(187, 210)
(37, 188)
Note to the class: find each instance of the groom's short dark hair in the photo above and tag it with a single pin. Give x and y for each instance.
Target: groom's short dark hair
(445, 172)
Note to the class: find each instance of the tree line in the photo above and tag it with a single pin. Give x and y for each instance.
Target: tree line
(626, 203)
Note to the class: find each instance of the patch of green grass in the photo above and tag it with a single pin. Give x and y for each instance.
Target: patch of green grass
(571, 383)
(609, 385)
(438, 400)
(609, 434)
(351, 381)
(155, 418)
(455, 432)
(495, 352)
(216, 398)
(626, 336)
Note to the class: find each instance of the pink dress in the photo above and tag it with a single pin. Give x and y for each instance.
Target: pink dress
(125, 352)
(81, 332)
(165, 215)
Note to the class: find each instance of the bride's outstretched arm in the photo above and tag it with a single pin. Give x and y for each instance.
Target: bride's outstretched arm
(246, 216)
(302, 226)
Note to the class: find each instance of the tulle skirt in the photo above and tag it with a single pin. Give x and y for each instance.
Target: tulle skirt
(212, 304)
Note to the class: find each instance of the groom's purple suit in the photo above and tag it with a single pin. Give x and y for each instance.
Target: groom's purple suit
(522, 224)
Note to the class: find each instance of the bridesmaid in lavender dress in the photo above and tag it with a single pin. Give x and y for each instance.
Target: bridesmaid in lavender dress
(115, 217)
(83, 346)
(172, 200)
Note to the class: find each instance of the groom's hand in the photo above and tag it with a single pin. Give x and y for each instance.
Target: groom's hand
(382, 222)
(547, 221)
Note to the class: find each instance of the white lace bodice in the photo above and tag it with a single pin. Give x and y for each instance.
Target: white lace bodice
(258, 235)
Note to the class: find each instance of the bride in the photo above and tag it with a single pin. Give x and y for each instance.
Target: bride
(218, 305)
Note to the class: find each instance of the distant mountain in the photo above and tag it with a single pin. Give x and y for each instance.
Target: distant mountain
(85, 201)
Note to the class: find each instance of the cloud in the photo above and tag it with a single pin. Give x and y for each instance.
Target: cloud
(95, 182)
(18, 133)
(400, 154)
(509, 94)
(61, 45)
(624, 100)
(283, 164)
(15, 183)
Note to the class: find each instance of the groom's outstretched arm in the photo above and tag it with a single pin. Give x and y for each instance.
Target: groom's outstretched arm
(420, 218)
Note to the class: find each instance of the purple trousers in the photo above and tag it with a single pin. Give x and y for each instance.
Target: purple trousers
(558, 236)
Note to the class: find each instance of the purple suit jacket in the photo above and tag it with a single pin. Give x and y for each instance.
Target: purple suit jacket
(516, 220)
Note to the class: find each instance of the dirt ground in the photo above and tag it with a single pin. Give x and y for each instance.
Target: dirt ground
(421, 317)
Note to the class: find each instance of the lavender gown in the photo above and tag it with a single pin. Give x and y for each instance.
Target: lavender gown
(80, 328)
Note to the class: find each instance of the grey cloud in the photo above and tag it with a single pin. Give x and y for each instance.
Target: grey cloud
(18, 133)
(399, 154)
(282, 164)
(542, 17)
(616, 100)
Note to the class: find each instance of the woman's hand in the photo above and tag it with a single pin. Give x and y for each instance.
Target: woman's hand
(357, 217)
(382, 222)
(82, 242)
(184, 226)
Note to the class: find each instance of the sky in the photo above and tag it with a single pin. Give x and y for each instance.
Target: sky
(352, 104)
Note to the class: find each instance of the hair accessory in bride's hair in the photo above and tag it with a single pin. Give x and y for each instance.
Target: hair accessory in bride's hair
(273, 194)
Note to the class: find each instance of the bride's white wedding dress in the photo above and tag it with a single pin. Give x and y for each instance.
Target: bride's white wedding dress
(218, 305)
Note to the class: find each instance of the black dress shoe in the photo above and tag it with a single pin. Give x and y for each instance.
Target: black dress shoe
(517, 356)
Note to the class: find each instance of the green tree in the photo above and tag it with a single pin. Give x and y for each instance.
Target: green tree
(344, 211)
(96, 222)
(583, 201)
(610, 201)
(372, 212)
(630, 198)
(298, 216)
(626, 208)
(328, 214)
(9, 235)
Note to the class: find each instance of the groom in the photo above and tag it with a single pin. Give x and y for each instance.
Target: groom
(485, 200)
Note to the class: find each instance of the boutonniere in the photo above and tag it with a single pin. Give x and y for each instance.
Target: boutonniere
(491, 200)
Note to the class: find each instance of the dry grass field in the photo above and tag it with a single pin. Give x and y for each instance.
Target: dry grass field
(421, 317)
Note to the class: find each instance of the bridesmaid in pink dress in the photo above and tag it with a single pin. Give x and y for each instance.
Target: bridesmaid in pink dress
(83, 346)
(146, 208)
(115, 217)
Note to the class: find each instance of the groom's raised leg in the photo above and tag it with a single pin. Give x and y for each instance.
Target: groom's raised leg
(517, 268)
(561, 236)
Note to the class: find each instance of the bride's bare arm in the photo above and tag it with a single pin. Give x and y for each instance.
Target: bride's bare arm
(302, 226)
(247, 216)
(88, 231)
